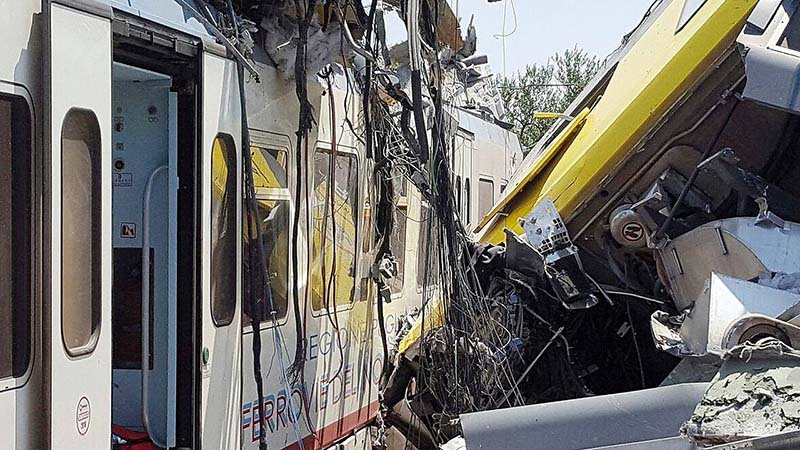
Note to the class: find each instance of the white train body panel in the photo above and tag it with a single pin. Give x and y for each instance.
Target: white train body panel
(22, 396)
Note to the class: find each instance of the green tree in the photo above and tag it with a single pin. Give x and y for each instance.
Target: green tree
(548, 87)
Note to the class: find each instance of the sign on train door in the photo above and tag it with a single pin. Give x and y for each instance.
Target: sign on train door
(221, 246)
(78, 118)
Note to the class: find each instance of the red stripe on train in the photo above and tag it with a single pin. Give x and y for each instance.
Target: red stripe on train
(338, 430)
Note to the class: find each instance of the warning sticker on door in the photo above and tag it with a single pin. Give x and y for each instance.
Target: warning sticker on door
(123, 179)
(83, 416)
(127, 230)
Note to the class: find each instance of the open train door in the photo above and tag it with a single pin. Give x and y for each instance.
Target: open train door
(77, 66)
(220, 359)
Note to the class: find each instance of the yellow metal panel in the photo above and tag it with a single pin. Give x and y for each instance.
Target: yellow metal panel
(433, 319)
(558, 143)
(659, 68)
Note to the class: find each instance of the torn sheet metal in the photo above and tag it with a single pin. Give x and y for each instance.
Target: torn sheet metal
(737, 247)
(666, 331)
(547, 233)
(749, 398)
(715, 316)
(640, 416)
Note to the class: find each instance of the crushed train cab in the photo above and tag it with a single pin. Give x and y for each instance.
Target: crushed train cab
(649, 243)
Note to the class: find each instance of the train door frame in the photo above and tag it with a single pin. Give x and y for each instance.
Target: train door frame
(150, 46)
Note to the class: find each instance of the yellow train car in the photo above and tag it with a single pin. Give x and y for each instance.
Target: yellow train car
(644, 85)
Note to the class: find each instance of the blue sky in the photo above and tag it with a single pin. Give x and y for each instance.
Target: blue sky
(545, 27)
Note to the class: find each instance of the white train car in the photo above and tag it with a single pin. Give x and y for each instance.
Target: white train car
(121, 254)
(486, 155)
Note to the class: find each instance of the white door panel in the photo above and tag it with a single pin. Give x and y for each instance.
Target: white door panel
(80, 343)
(221, 345)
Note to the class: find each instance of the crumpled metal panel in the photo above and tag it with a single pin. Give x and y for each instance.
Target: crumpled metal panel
(772, 72)
(772, 78)
(739, 247)
(727, 311)
(728, 300)
(607, 421)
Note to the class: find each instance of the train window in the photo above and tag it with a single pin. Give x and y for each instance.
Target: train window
(15, 237)
(269, 167)
(269, 173)
(223, 230)
(335, 228)
(80, 231)
(458, 195)
(485, 196)
(274, 229)
(467, 203)
(397, 240)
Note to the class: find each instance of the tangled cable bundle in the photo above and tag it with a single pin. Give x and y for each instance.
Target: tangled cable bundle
(505, 340)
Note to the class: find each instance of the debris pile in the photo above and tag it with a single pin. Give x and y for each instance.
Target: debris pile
(516, 344)
(752, 397)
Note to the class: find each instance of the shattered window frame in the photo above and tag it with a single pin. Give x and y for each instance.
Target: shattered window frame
(353, 200)
(483, 208)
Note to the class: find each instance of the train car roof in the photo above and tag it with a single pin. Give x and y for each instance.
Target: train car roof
(170, 13)
(484, 128)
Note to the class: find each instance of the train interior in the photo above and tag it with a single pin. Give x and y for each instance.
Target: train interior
(145, 252)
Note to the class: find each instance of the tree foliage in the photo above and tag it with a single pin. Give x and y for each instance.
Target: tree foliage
(548, 87)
